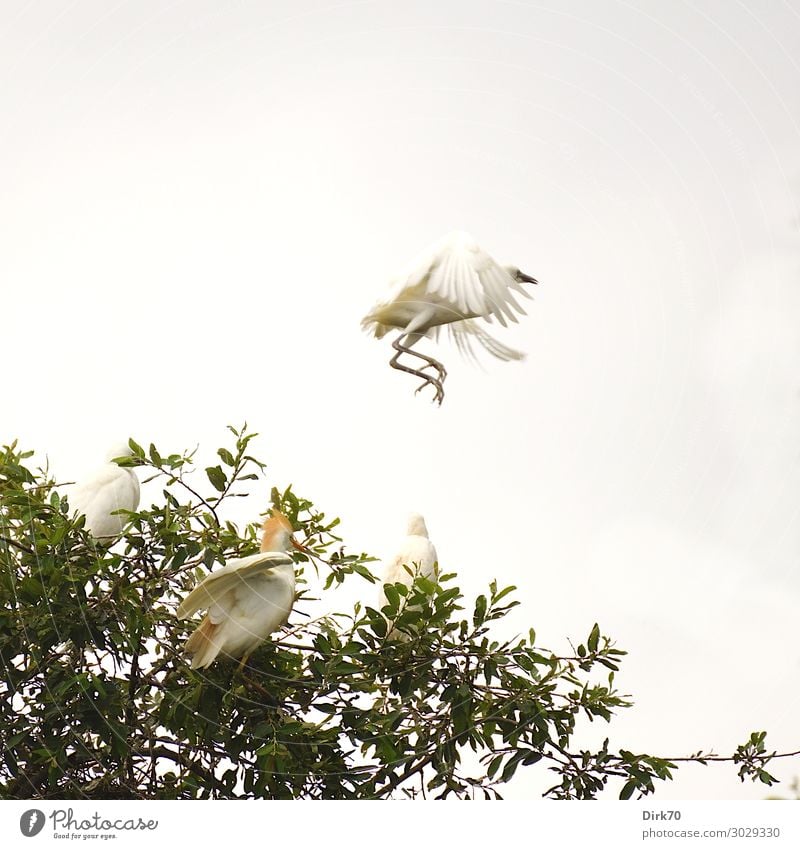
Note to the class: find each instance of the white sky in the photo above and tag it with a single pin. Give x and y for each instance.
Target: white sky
(200, 200)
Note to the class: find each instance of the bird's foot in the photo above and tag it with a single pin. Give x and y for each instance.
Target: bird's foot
(436, 382)
(441, 371)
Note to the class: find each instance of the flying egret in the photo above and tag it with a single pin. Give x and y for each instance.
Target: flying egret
(247, 600)
(454, 283)
(110, 489)
(416, 556)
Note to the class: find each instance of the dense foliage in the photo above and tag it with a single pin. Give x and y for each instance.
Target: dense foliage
(99, 701)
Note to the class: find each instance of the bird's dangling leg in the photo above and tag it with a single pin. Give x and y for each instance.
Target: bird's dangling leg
(242, 663)
(435, 364)
(436, 382)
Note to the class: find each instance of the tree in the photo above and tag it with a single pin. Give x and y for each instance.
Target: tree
(100, 702)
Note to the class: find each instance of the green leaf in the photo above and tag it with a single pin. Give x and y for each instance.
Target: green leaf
(494, 765)
(594, 638)
(217, 477)
(392, 597)
(502, 594)
(480, 611)
(226, 456)
(136, 448)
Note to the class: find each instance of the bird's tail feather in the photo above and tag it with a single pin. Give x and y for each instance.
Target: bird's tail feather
(201, 644)
(371, 325)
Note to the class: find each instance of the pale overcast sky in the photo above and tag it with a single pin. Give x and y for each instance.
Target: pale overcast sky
(201, 199)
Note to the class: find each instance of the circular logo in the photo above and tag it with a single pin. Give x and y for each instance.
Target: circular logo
(31, 822)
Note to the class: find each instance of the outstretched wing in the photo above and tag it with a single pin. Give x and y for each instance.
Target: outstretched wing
(465, 277)
(454, 280)
(465, 333)
(215, 586)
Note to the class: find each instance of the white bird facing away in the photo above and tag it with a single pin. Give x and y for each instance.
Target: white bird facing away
(111, 488)
(247, 600)
(417, 554)
(454, 283)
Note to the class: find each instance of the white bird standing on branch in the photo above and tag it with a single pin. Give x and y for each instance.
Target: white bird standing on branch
(247, 600)
(455, 283)
(416, 556)
(110, 489)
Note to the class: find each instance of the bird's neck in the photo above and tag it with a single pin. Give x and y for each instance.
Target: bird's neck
(275, 542)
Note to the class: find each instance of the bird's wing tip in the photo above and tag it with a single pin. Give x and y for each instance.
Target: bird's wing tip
(181, 612)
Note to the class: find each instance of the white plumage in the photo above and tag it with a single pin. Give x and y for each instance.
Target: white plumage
(247, 600)
(454, 283)
(416, 556)
(110, 489)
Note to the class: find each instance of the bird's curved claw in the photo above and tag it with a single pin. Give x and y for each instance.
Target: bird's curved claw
(441, 371)
(438, 395)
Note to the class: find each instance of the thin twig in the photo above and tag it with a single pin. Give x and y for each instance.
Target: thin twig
(18, 545)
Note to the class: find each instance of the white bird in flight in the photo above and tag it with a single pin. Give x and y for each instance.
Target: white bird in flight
(110, 489)
(455, 283)
(247, 600)
(416, 556)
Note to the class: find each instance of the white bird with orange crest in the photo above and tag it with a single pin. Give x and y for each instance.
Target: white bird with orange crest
(454, 284)
(247, 600)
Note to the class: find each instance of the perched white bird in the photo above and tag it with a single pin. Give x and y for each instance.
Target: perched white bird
(416, 556)
(110, 489)
(247, 600)
(454, 283)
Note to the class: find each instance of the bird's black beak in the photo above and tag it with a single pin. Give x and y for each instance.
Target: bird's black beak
(526, 278)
